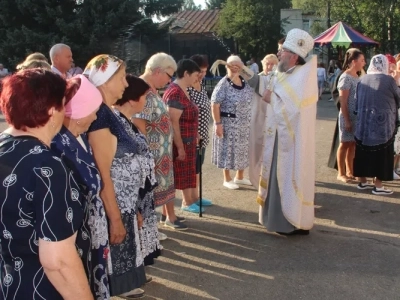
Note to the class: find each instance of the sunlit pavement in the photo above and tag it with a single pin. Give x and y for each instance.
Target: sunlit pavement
(352, 252)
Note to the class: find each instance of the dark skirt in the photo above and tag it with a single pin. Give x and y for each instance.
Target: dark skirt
(376, 161)
(149, 259)
(332, 162)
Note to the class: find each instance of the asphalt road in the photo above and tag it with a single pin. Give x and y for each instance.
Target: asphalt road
(353, 252)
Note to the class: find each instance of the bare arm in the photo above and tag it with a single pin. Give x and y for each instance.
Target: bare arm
(215, 110)
(175, 115)
(63, 267)
(104, 147)
(343, 98)
(216, 114)
(140, 124)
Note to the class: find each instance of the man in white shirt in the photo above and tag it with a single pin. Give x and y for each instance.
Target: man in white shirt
(253, 66)
(3, 71)
(61, 60)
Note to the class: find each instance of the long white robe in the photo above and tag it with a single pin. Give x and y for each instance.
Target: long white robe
(292, 114)
(257, 127)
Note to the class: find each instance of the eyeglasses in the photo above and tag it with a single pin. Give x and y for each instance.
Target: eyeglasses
(284, 50)
(170, 76)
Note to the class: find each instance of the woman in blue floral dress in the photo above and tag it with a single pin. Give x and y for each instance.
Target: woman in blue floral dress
(114, 152)
(131, 103)
(82, 102)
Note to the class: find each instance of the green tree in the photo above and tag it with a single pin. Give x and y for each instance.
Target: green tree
(90, 27)
(254, 24)
(190, 5)
(28, 26)
(212, 4)
(377, 19)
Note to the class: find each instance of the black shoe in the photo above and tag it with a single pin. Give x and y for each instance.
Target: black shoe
(163, 218)
(295, 232)
(365, 186)
(381, 191)
(177, 225)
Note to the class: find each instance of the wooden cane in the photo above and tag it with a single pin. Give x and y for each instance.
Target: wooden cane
(200, 182)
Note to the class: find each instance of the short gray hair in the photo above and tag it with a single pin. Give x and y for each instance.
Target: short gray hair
(56, 49)
(162, 61)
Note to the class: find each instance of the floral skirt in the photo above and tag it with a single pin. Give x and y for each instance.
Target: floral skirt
(127, 270)
(150, 244)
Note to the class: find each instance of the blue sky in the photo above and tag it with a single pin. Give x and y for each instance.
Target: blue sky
(202, 2)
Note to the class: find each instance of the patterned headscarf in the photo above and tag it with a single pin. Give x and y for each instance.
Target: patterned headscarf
(100, 68)
(379, 65)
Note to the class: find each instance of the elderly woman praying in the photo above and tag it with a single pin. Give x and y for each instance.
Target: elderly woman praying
(377, 102)
(231, 112)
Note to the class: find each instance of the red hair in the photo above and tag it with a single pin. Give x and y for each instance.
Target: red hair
(27, 97)
(390, 58)
(73, 86)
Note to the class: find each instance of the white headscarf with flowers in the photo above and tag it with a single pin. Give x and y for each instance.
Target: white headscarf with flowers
(100, 68)
(379, 65)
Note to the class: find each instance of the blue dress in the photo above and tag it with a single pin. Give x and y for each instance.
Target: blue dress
(126, 271)
(39, 199)
(81, 162)
(150, 244)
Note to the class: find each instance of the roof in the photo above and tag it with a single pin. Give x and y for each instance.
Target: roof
(193, 21)
(342, 34)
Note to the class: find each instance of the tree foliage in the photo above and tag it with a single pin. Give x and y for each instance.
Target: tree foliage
(89, 26)
(190, 5)
(213, 4)
(254, 24)
(377, 19)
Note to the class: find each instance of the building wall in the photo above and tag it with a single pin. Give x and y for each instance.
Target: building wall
(295, 18)
(291, 18)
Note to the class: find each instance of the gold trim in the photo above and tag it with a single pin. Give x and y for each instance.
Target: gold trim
(260, 201)
(263, 183)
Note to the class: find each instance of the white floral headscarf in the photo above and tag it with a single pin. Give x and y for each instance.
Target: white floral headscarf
(379, 65)
(100, 68)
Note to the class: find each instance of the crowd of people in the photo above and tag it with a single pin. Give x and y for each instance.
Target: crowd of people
(89, 155)
(366, 142)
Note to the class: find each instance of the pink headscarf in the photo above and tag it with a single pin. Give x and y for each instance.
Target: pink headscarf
(86, 100)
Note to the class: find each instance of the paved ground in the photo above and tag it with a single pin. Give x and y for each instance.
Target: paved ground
(352, 252)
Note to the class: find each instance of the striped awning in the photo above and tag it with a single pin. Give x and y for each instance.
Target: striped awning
(342, 34)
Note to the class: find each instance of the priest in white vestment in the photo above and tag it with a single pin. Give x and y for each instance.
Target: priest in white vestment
(286, 188)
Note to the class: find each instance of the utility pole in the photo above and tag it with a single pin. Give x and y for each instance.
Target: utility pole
(328, 24)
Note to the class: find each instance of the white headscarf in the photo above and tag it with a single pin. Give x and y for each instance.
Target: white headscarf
(379, 65)
(101, 68)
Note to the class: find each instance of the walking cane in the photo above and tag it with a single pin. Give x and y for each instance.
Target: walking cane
(200, 182)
